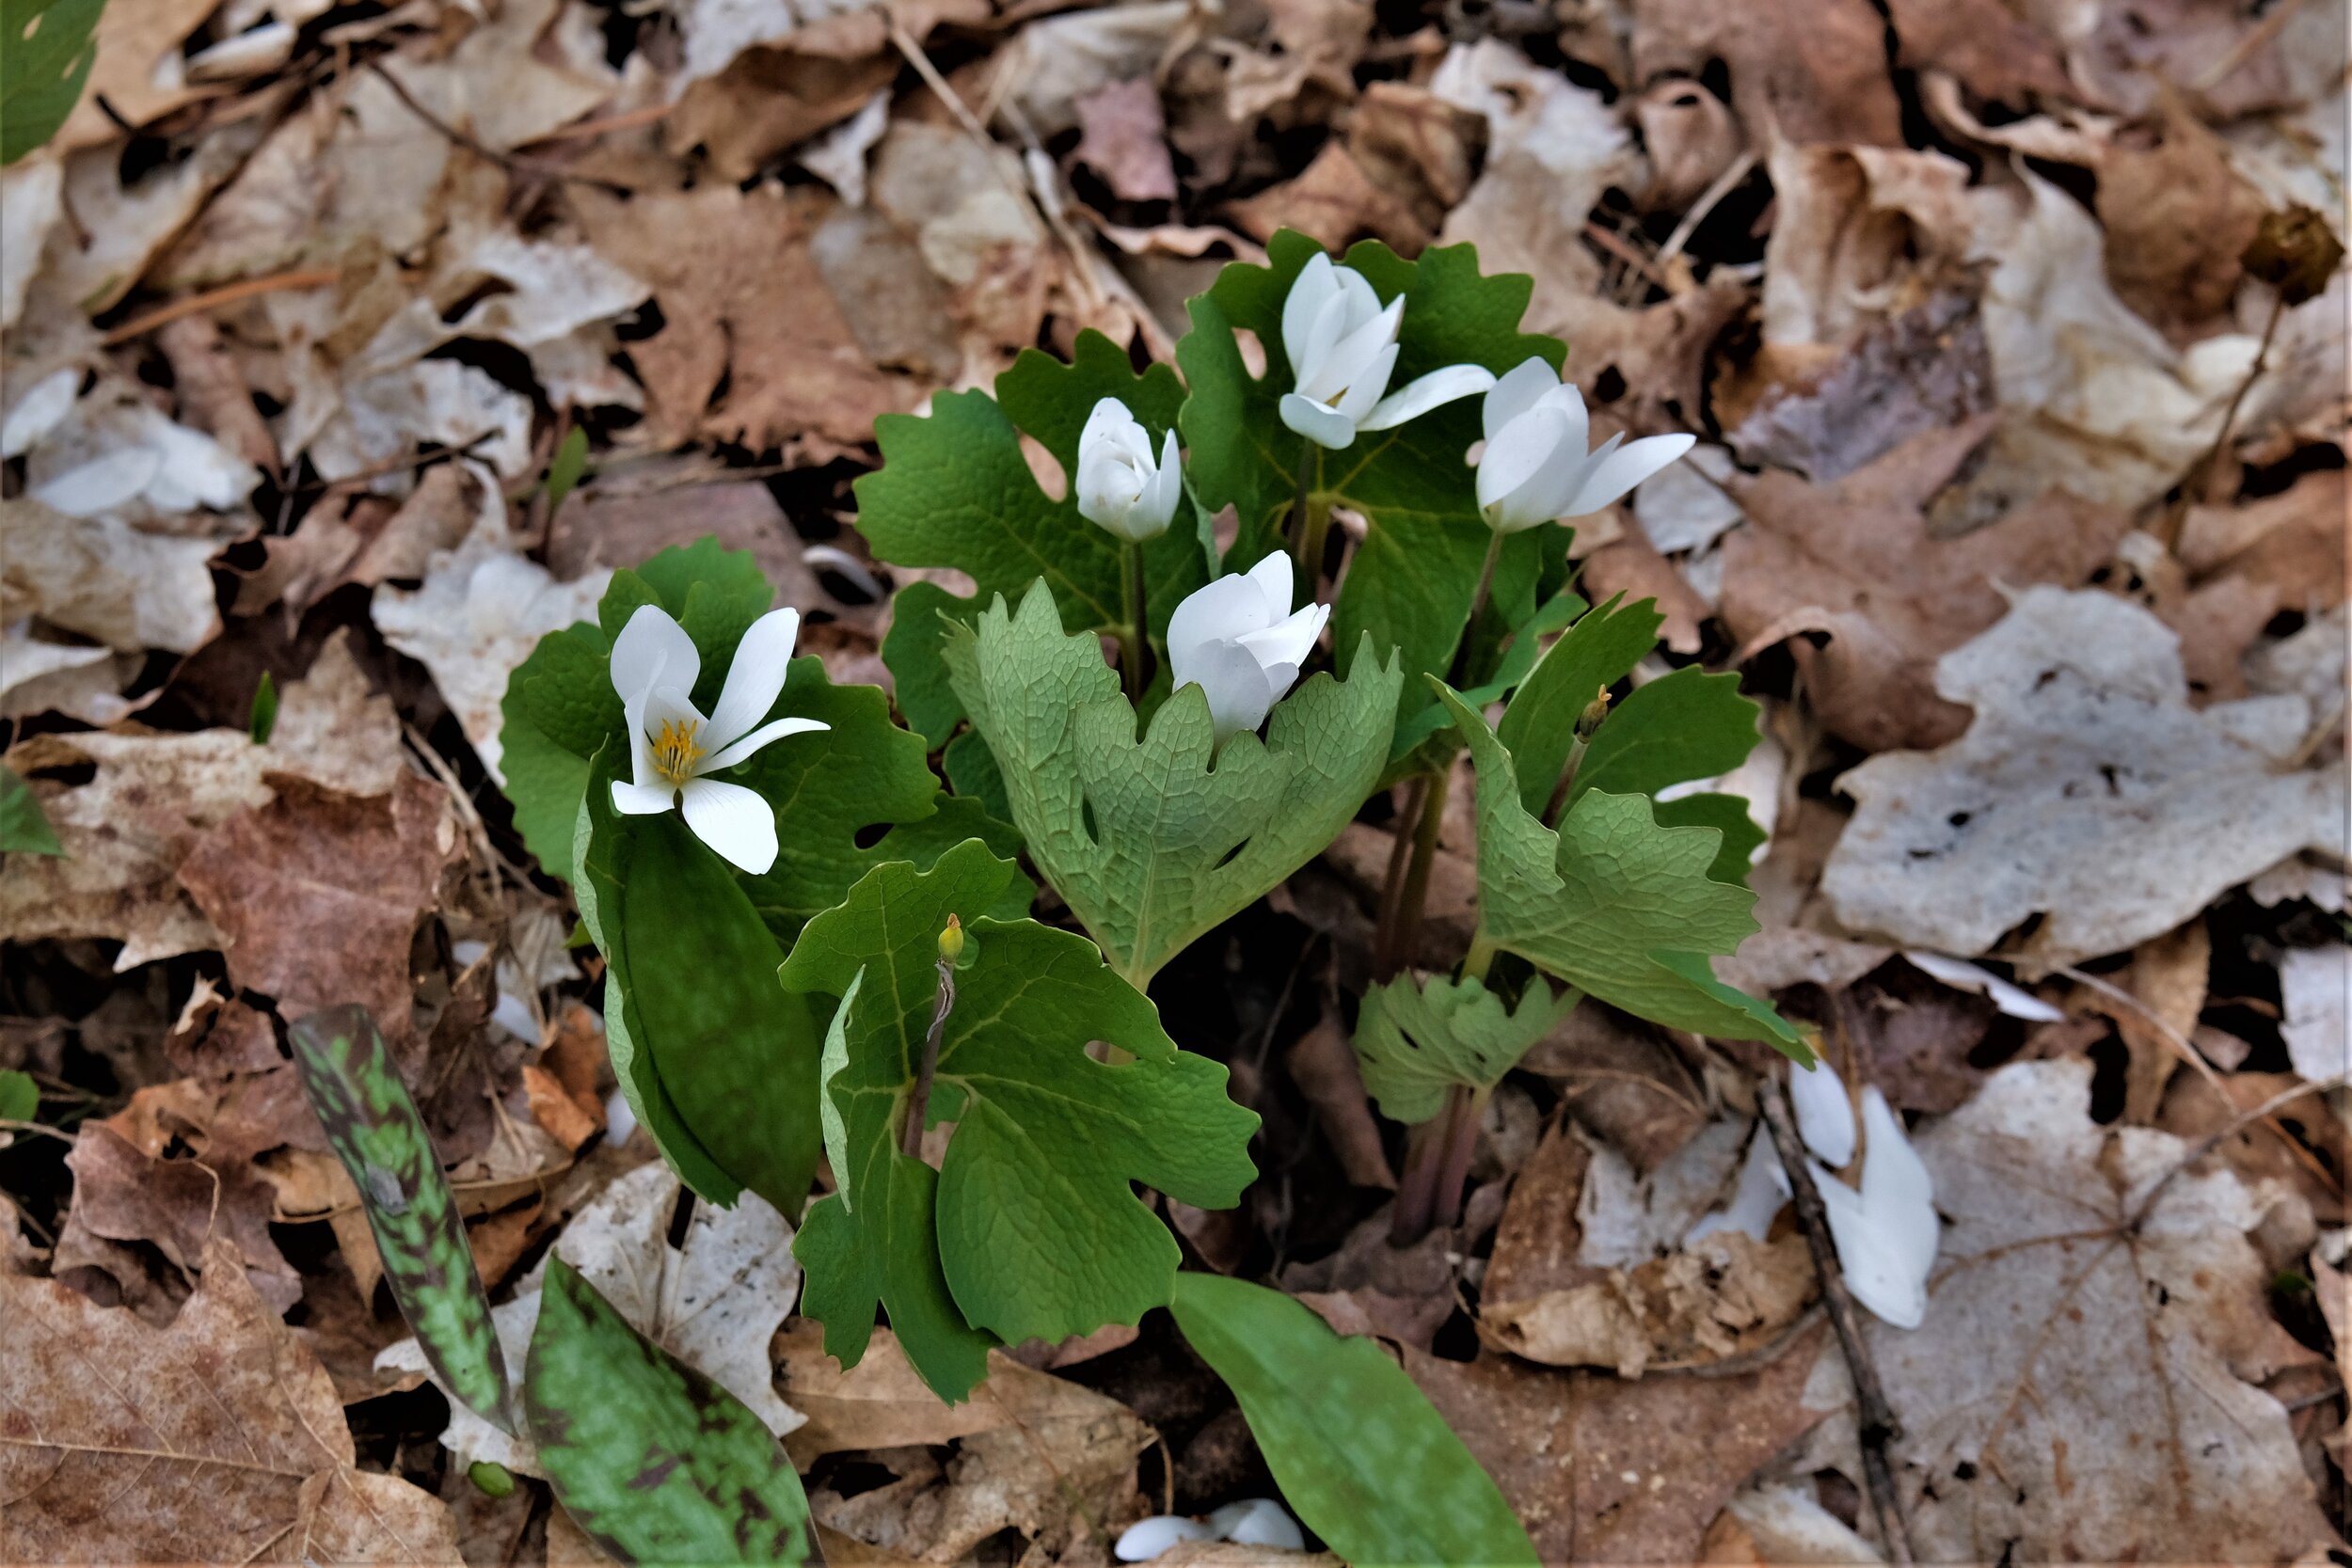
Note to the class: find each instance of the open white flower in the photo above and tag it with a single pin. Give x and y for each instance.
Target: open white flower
(1237, 640)
(1342, 345)
(1887, 1233)
(1120, 488)
(1535, 468)
(673, 748)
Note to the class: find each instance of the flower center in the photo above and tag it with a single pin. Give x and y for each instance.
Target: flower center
(676, 750)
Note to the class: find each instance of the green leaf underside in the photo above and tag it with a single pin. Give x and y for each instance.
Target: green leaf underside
(1611, 902)
(23, 826)
(955, 490)
(348, 1076)
(1415, 1039)
(1153, 842)
(653, 1461)
(1358, 1452)
(1411, 581)
(720, 1067)
(42, 76)
(1030, 1227)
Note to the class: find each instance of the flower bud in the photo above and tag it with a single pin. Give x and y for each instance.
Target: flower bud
(1120, 488)
(1588, 722)
(1237, 640)
(951, 940)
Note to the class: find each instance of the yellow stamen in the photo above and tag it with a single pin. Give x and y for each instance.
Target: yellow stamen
(675, 749)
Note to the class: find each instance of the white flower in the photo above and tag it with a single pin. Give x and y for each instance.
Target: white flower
(1824, 1115)
(1237, 640)
(1342, 345)
(1887, 1233)
(1535, 468)
(1252, 1522)
(1119, 487)
(673, 748)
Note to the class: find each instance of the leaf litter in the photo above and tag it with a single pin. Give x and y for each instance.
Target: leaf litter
(2043, 595)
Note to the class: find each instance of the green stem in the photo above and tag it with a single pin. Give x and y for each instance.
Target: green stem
(1567, 782)
(1311, 520)
(1481, 957)
(1415, 893)
(1407, 829)
(1131, 644)
(1459, 675)
(919, 1100)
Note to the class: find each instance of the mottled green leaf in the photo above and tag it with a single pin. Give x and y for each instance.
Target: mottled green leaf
(1411, 582)
(1611, 902)
(1358, 1452)
(372, 1126)
(720, 1067)
(1153, 842)
(45, 57)
(954, 490)
(23, 826)
(653, 1461)
(1540, 726)
(1031, 1225)
(1415, 1038)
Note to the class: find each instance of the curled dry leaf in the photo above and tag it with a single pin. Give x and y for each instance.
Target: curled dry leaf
(219, 1438)
(2087, 792)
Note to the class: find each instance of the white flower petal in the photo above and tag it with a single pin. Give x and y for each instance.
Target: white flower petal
(1897, 1194)
(1570, 402)
(1310, 290)
(1756, 1201)
(1621, 471)
(102, 485)
(1515, 394)
(755, 677)
(737, 823)
(1315, 378)
(1353, 359)
(1824, 1115)
(1288, 641)
(1167, 483)
(1217, 611)
(1272, 574)
(1364, 390)
(1870, 1256)
(1236, 685)
(1961, 976)
(1417, 397)
(39, 410)
(743, 746)
(641, 769)
(632, 800)
(1521, 452)
(653, 649)
(1324, 426)
(1148, 1537)
(1257, 1522)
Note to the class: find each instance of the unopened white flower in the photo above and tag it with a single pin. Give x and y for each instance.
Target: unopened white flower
(1119, 487)
(1535, 468)
(1342, 345)
(1237, 640)
(1886, 1233)
(673, 748)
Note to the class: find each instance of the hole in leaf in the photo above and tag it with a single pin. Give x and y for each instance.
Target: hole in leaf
(1252, 352)
(1045, 468)
(1086, 812)
(871, 834)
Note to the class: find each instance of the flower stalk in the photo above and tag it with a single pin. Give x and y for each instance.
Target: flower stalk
(919, 1098)
(1133, 646)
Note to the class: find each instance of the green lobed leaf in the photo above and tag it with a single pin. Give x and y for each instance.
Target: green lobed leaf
(20, 1097)
(23, 826)
(1685, 725)
(1411, 750)
(1611, 902)
(1415, 1038)
(653, 1461)
(720, 1067)
(1153, 842)
(45, 57)
(1728, 815)
(1540, 726)
(1360, 1454)
(1031, 1228)
(1411, 582)
(348, 1076)
(955, 490)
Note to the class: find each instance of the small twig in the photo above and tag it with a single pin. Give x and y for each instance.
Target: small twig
(228, 293)
(1726, 182)
(652, 114)
(2213, 1140)
(2249, 44)
(2205, 481)
(1878, 1427)
(1746, 1361)
(9, 1124)
(392, 466)
(514, 163)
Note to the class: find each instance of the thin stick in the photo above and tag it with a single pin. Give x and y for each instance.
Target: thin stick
(652, 114)
(514, 163)
(2210, 481)
(1878, 1427)
(228, 293)
(1385, 960)
(1416, 890)
(1726, 182)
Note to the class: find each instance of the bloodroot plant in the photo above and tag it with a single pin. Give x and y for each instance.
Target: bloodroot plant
(826, 954)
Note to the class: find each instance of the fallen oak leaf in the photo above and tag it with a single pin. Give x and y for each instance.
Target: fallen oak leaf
(219, 1438)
